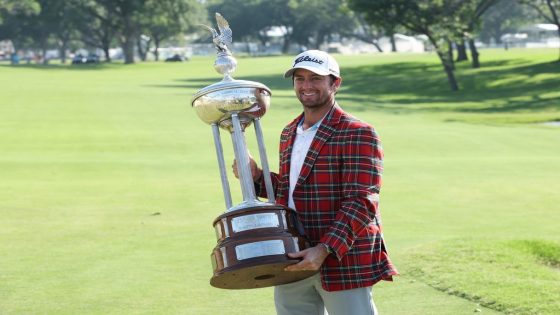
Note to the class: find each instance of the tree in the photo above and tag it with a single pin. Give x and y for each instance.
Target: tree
(461, 50)
(503, 17)
(470, 14)
(54, 25)
(365, 32)
(282, 14)
(308, 23)
(316, 20)
(435, 19)
(381, 28)
(12, 7)
(163, 19)
(15, 16)
(118, 17)
(68, 18)
(252, 19)
(548, 9)
(126, 11)
(38, 24)
(99, 25)
(41, 26)
(249, 19)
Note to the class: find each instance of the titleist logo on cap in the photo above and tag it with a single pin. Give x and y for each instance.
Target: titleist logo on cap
(307, 58)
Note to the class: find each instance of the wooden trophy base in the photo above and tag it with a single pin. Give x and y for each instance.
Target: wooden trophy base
(252, 248)
(260, 275)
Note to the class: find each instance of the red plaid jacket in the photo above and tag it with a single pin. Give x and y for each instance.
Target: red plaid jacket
(336, 196)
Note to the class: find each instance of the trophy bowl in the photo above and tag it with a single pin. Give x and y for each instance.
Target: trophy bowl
(215, 103)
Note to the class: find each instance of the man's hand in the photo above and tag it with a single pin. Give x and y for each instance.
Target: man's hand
(256, 172)
(312, 258)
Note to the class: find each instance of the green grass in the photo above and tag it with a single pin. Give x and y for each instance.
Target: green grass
(516, 277)
(109, 185)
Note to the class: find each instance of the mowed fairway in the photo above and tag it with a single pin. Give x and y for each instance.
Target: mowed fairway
(109, 184)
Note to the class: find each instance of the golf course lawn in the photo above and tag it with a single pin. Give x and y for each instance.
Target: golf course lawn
(109, 183)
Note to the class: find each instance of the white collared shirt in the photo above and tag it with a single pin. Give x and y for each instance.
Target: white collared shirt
(303, 141)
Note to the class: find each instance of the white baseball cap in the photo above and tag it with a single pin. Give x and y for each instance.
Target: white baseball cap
(316, 61)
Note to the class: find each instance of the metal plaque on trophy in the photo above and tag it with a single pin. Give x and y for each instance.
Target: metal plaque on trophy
(253, 237)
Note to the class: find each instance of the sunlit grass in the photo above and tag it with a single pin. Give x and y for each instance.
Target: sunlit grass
(510, 276)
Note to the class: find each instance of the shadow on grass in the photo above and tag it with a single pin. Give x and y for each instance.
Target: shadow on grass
(547, 252)
(494, 87)
(197, 83)
(504, 86)
(273, 83)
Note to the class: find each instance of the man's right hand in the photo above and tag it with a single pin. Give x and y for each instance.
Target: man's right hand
(255, 170)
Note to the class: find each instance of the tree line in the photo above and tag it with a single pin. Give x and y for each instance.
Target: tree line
(145, 25)
(130, 24)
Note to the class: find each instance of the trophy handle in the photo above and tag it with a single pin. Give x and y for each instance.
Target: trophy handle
(222, 165)
(242, 159)
(264, 161)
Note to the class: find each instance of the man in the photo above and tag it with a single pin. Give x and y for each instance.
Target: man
(330, 173)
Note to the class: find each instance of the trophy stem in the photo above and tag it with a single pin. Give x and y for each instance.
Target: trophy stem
(222, 165)
(264, 161)
(242, 158)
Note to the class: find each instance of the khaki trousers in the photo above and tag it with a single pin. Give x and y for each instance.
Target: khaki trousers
(307, 297)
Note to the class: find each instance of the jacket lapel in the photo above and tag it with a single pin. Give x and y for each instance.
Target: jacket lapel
(324, 132)
(288, 138)
(287, 144)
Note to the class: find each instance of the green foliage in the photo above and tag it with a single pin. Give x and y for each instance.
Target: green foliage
(319, 19)
(19, 6)
(248, 19)
(504, 17)
(101, 24)
(547, 9)
(308, 22)
(162, 20)
(14, 18)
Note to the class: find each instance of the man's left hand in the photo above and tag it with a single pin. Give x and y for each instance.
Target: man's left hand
(312, 258)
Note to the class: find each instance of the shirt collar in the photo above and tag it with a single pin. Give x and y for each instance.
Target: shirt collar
(312, 128)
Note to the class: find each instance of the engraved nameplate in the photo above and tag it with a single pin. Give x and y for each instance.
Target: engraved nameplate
(254, 221)
(257, 249)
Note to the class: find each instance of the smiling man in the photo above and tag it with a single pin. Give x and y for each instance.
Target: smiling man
(330, 173)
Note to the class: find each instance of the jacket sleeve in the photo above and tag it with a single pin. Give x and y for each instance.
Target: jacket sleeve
(260, 187)
(362, 165)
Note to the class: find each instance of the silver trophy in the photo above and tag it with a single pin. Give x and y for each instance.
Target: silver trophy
(254, 236)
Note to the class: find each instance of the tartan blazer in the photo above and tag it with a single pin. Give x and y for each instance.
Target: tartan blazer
(336, 197)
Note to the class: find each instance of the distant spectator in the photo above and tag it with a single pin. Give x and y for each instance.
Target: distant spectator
(15, 59)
